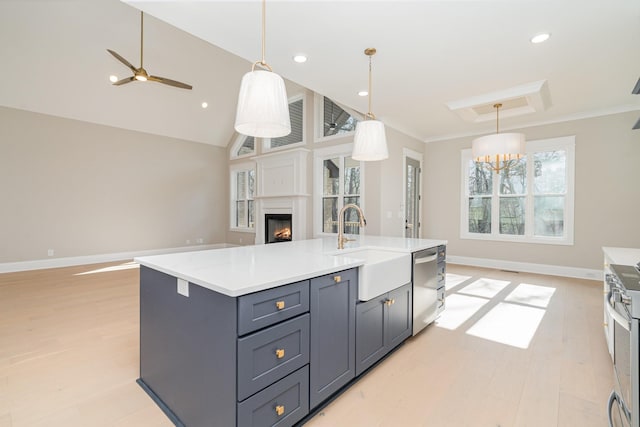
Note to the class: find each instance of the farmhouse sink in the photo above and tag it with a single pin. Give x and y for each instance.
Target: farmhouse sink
(381, 272)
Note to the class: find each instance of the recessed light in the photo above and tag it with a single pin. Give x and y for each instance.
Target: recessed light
(113, 78)
(300, 58)
(540, 38)
(363, 93)
(204, 105)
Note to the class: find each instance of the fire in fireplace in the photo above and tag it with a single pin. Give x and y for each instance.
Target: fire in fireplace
(277, 228)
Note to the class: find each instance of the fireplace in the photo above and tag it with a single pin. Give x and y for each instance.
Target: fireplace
(277, 228)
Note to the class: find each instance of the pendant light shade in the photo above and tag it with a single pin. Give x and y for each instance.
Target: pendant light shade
(263, 107)
(370, 140)
(499, 147)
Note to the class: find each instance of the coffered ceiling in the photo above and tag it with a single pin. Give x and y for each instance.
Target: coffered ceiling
(431, 55)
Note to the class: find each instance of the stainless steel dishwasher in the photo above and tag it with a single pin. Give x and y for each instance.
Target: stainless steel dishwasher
(428, 286)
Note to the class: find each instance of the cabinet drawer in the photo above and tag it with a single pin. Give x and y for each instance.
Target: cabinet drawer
(262, 309)
(282, 404)
(270, 354)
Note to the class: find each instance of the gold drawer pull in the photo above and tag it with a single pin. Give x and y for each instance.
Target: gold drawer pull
(279, 409)
(280, 305)
(390, 302)
(337, 279)
(280, 353)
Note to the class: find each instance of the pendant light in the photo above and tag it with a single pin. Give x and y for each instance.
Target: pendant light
(263, 107)
(499, 147)
(370, 141)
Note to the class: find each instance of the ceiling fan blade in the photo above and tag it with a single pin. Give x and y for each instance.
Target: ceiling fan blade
(170, 82)
(121, 59)
(123, 81)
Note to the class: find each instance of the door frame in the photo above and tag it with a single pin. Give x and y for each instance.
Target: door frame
(407, 152)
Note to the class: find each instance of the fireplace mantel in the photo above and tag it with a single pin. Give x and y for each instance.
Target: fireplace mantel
(281, 188)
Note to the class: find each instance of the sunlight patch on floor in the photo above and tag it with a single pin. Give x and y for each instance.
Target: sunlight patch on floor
(535, 295)
(484, 287)
(125, 266)
(453, 280)
(510, 324)
(459, 309)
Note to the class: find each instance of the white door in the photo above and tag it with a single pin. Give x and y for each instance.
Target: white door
(412, 198)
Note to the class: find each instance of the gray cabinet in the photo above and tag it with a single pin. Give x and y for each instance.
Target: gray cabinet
(332, 351)
(382, 324)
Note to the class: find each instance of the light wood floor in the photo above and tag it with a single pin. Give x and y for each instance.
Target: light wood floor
(69, 357)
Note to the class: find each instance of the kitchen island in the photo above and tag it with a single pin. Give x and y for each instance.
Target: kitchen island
(260, 335)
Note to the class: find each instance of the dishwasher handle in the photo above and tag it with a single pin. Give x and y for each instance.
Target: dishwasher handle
(425, 259)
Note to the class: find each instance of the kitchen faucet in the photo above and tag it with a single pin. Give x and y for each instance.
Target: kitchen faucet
(363, 222)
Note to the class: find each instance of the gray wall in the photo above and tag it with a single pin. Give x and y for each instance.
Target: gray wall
(607, 194)
(85, 189)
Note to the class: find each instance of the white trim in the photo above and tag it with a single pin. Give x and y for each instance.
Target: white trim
(528, 267)
(568, 118)
(38, 264)
(407, 152)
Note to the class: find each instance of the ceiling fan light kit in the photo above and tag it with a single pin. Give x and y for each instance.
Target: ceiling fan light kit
(140, 74)
(370, 140)
(263, 105)
(499, 147)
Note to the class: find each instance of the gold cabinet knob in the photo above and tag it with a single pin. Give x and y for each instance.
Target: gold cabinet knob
(280, 305)
(337, 279)
(389, 302)
(280, 353)
(279, 409)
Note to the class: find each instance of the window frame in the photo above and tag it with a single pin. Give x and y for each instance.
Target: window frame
(266, 142)
(238, 142)
(566, 144)
(319, 156)
(318, 119)
(233, 180)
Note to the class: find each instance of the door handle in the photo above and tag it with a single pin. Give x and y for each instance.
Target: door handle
(426, 259)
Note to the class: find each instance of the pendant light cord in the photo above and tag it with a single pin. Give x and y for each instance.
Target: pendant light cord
(370, 114)
(141, 36)
(263, 62)
(264, 25)
(497, 107)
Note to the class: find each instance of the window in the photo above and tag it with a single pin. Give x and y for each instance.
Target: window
(242, 191)
(339, 181)
(243, 146)
(332, 120)
(530, 200)
(296, 116)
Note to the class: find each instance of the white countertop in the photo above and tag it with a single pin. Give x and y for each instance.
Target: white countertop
(622, 256)
(246, 269)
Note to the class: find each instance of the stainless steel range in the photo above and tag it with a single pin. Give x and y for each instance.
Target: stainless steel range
(623, 304)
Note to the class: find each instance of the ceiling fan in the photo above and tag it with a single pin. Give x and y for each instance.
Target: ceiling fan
(141, 74)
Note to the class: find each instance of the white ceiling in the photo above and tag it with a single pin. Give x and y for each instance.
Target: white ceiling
(430, 53)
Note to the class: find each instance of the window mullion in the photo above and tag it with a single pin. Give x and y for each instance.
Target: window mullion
(495, 205)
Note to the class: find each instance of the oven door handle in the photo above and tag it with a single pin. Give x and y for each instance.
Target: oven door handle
(617, 316)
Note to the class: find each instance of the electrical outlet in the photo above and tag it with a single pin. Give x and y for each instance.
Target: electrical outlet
(241, 240)
(200, 240)
(188, 242)
(50, 252)
(183, 287)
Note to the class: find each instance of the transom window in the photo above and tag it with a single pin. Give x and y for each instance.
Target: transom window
(530, 200)
(296, 116)
(333, 120)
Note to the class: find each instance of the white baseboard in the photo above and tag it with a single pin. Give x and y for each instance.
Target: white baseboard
(11, 267)
(526, 267)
